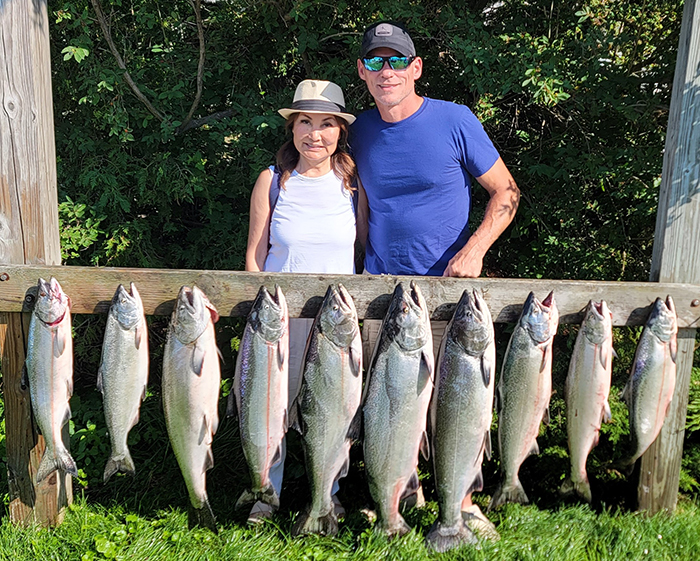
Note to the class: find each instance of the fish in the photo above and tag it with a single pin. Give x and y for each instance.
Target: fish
(190, 387)
(395, 406)
(123, 374)
(260, 387)
(49, 373)
(523, 393)
(652, 380)
(586, 391)
(461, 411)
(326, 411)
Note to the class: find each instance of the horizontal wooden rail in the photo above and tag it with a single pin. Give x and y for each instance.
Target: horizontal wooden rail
(232, 292)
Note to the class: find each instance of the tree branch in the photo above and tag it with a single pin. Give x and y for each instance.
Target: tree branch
(196, 5)
(120, 61)
(196, 123)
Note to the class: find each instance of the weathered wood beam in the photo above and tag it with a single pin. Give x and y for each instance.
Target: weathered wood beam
(28, 234)
(677, 256)
(232, 292)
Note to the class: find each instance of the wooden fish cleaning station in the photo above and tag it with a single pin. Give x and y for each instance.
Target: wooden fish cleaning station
(29, 248)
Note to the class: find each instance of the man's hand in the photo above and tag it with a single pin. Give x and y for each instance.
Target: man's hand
(500, 211)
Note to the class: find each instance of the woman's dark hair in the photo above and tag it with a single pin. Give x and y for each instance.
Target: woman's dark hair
(341, 162)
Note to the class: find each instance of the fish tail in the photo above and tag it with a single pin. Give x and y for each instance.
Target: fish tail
(59, 459)
(394, 528)
(442, 538)
(508, 493)
(267, 495)
(119, 462)
(581, 489)
(203, 517)
(324, 525)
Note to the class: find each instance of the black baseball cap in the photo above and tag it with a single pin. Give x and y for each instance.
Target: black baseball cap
(387, 34)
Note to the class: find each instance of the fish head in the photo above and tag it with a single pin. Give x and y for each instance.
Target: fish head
(471, 325)
(407, 318)
(540, 319)
(192, 314)
(52, 303)
(127, 307)
(268, 316)
(597, 322)
(337, 318)
(663, 321)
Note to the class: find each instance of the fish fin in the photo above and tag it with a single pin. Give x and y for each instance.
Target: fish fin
(278, 455)
(534, 449)
(285, 421)
(99, 380)
(218, 352)
(60, 460)
(545, 416)
(122, 462)
(325, 525)
(59, 344)
(231, 409)
(429, 363)
(138, 334)
(604, 357)
(209, 460)
(198, 359)
(508, 494)
(24, 378)
(355, 428)
(204, 430)
(443, 538)
(66, 416)
(477, 484)
(487, 444)
(412, 485)
(425, 445)
(581, 489)
(673, 347)
(280, 353)
(626, 392)
(355, 352)
(486, 370)
(203, 517)
(344, 469)
(607, 414)
(614, 353)
(545, 352)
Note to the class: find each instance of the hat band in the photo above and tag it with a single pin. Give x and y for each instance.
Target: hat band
(318, 105)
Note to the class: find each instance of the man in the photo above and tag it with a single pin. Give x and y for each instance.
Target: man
(414, 156)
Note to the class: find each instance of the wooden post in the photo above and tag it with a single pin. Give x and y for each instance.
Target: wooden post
(677, 255)
(28, 234)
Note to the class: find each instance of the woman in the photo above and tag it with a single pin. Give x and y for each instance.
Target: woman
(302, 218)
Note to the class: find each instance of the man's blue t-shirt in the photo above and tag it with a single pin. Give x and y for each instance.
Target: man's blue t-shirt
(416, 175)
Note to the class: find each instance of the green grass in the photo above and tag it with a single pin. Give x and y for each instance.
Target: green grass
(93, 532)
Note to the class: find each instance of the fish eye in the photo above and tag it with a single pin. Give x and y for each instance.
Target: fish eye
(404, 309)
(335, 308)
(42, 294)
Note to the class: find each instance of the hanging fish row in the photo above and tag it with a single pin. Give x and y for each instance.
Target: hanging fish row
(397, 401)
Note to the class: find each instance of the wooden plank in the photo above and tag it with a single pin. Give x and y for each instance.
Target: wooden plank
(28, 234)
(232, 292)
(676, 256)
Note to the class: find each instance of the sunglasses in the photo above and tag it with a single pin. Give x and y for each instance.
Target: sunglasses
(376, 63)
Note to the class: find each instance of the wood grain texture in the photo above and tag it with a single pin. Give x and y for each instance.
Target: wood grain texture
(28, 234)
(676, 256)
(232, 292)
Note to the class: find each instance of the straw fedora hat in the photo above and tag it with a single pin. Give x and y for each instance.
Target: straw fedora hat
(318, 96)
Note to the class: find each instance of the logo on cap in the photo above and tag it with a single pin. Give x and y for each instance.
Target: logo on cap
(383, 30)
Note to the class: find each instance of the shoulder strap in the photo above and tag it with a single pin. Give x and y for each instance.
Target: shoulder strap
(274, 189)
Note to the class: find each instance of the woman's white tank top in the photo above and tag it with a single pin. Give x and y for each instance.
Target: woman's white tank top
(312, 228)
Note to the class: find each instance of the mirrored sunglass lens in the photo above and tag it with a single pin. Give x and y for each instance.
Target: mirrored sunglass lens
(398, 62)
(374, 64)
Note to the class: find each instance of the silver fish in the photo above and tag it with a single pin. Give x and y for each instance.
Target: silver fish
(326, 409)
(191, 379)
(396, 404)
(460, 416)
(650, 387)
(260, 387)
(586, 390)
(49, 367)
(523, 393)
(123, 374)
